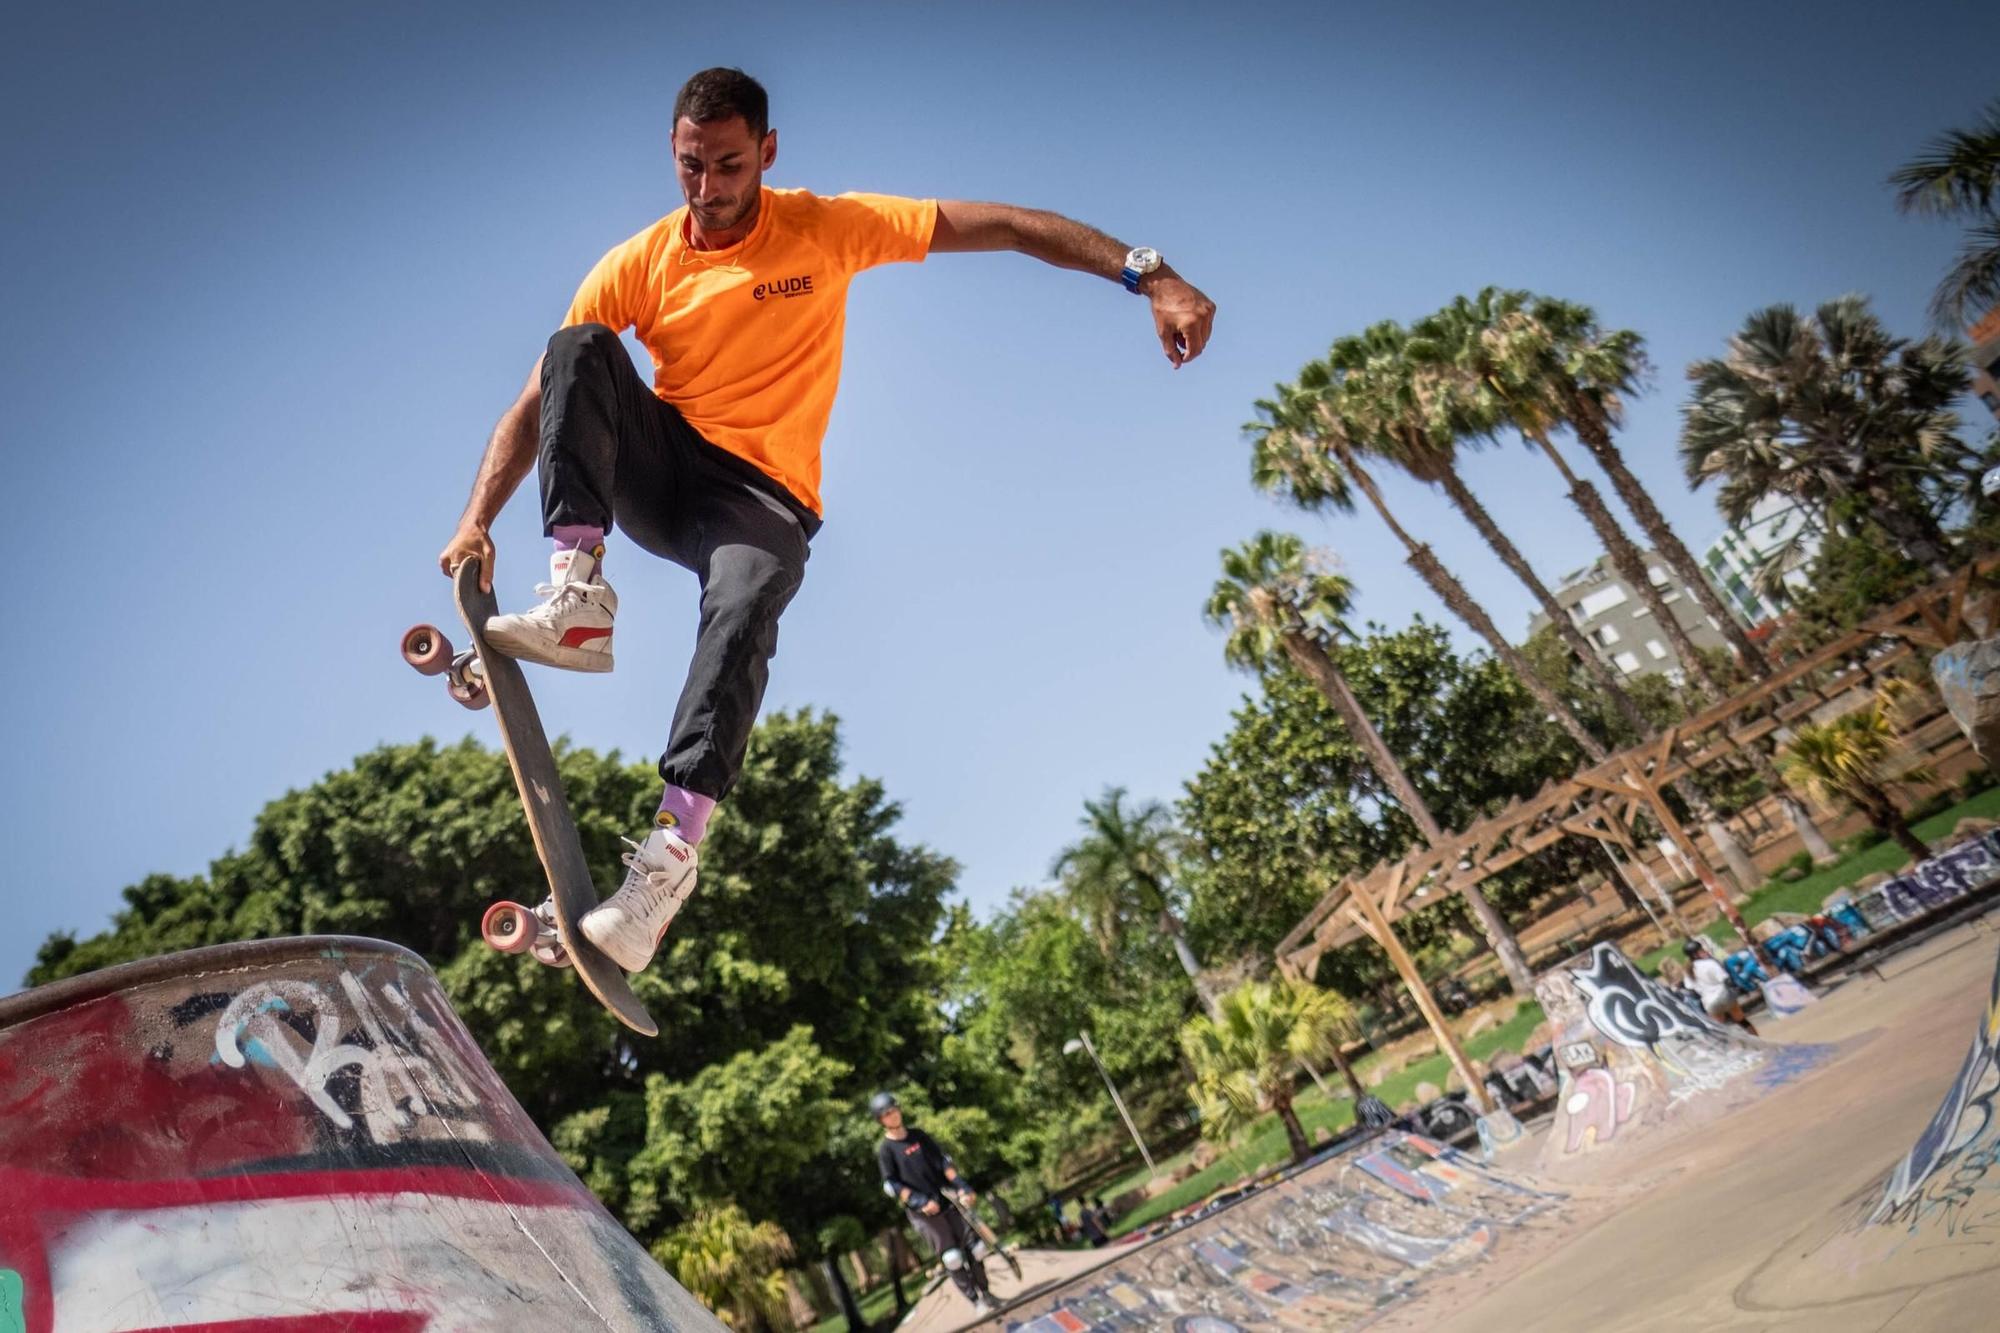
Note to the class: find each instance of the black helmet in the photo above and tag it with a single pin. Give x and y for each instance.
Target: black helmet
(1694, 948)
(883, 1101)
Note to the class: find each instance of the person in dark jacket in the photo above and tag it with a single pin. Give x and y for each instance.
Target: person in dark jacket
(921, 1176)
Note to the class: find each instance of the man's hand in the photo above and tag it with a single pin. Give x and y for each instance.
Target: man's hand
(930, 1208)
(966, 1196)
(470, 542)
(1182, 316)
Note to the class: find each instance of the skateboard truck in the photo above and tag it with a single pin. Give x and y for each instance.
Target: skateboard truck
(427, 649)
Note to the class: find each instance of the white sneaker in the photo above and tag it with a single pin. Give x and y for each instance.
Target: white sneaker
(572, 626)
(629, 924)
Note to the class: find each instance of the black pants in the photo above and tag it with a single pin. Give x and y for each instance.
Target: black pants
(613, 451)
(945, 1230)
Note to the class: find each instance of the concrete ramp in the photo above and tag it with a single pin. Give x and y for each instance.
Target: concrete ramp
(1637, 1059)
(1931, 1222)
(1328, 1247)
(293, 1135)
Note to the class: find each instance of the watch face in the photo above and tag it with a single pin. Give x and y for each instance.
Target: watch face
(1143, 260)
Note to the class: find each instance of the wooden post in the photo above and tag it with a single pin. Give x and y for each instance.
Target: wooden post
(1689, 852)
(1368, 915)
(1633, 862)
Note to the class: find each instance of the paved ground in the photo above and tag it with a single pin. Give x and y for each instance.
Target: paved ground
(1725, 1229)
(943, 1310)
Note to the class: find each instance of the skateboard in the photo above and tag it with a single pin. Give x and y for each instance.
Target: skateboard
(479, 677)
(985, 1233)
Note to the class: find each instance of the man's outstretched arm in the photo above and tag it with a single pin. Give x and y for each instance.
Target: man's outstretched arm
(1182, 316)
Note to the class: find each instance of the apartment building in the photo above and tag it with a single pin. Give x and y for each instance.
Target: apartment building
(1621, 627)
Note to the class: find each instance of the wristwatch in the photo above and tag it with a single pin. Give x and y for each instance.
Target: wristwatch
(1138, 263)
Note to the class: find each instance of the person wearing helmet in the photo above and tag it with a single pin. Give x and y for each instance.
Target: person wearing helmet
(1711, 982)
(921, 1176)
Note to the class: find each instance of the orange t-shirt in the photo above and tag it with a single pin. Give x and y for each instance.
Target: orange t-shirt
(746, 341)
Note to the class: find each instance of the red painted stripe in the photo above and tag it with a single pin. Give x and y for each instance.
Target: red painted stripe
(359, 1321)
(31, 1192)
(583, 634)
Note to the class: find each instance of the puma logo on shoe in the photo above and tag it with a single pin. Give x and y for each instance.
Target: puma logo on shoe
(582, 634)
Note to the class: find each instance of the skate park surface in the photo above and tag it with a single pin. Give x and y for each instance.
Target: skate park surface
(1767, 1215)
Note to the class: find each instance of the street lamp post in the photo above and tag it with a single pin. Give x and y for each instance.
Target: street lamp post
(1082, 1043)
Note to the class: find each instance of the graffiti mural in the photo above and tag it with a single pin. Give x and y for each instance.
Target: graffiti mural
(1631, 1054)
(1595, 1106)
(283, 1136)
(1630, 1007)
(1951, 874)
(1947, 1179)
(1327, 1248)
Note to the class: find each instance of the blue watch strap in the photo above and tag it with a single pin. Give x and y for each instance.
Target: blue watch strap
(1130, 279)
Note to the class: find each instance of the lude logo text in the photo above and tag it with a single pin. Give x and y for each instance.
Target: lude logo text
(783, 287)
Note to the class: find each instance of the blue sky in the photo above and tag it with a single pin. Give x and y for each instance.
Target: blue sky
(271, 272)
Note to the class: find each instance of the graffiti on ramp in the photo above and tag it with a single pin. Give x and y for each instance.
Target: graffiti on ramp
(1326, 1248)
(288, 1135)
(1946, 1181)
(1635, 1055)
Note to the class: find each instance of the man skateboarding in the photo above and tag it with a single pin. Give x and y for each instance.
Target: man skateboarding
(740, 296)
(918, 1174)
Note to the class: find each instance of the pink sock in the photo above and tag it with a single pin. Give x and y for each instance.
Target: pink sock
(686, 812)
(576, 536)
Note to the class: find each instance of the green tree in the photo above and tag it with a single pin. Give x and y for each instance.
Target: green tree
(1123, 868)
(1277, 600)
(1247, 1057)
(1835, 414)
(733, 1266)
(1021, 986)
(1855, 757)
(1287, 794)
(1957, 175)
(801, 975)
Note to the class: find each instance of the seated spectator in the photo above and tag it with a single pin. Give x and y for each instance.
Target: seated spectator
(1718, 998)
(1086, 1222)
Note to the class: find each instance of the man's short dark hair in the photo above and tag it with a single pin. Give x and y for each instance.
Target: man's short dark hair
(720, 93)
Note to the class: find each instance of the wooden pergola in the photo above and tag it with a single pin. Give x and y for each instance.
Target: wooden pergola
(1600, 801)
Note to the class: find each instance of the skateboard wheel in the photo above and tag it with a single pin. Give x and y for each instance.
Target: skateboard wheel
(552, 954)
(471, 694)
(510, 928)
(426, 649)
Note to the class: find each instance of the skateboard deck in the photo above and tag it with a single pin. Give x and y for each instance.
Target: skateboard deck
(549, 819)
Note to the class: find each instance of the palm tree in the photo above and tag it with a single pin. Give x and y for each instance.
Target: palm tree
(1247, 1055)
(1122, 867)
(1308, 442)
(731, 1265)
(1958, 175)
(1535, 364)
(1514, 368)
(1854, 757)
(1835, 414)
(1591, 373)
(1279, 600)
